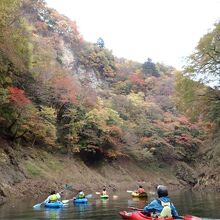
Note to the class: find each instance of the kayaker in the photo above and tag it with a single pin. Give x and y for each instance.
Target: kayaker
(140, 189)
(80, 195)
(161, 207)
(53, 197)
(104, 192)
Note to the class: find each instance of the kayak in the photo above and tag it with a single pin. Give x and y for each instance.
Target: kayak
(139, 195)
(80, 201)
(56, 205)
(138, 215)
(104, 196)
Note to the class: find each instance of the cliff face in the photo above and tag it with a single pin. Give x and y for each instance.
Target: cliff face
(56, 46)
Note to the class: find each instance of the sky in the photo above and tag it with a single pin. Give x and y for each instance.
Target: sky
(165, 30)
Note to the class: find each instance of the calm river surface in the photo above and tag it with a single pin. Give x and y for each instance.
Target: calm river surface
(205, 205)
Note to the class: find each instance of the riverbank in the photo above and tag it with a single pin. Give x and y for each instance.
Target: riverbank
(28, 172)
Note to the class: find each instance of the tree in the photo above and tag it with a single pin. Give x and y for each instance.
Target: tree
(102, 61)
(17, 96)
(150, 69)
(137, 79)
(100, 43)
(187, 99)
(204, 63)
(15, 43)
(64, 90)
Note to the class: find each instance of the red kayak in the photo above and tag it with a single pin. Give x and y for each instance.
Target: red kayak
(138, 215)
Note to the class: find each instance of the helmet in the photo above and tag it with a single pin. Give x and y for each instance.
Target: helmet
(162, 191)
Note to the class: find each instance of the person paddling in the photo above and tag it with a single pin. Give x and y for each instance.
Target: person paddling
(53, 197)
(104, 192)
(80, 195)
(161, 207)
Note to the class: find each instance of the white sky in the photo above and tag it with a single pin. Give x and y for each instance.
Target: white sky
(164, 30)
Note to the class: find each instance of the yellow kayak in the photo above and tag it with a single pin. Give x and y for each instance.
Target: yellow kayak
(139, 195)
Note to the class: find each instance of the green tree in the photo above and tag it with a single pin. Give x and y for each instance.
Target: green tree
(203, 65)
(15, 43)
(100, 43)
(205, 61)
(150, 69)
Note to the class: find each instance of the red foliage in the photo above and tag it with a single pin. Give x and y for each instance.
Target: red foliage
(65, 89)
(18, 96)
(136, 79)
(183, 120)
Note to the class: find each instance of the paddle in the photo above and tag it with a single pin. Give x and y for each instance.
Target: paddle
(129, 191)
(89, 196)
(133, 208)
(186, 217)
(98, 193)
(66, 187)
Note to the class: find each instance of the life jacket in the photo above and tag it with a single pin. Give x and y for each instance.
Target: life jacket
(53, 198)
(166, 211)
(104, 192)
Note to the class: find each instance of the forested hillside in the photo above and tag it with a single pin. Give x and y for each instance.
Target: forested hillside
(198, 97)
(64, 95)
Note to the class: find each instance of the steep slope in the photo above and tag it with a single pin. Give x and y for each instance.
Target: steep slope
(66, 96)
(32, 173)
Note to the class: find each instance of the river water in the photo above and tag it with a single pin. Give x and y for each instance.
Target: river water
(205, 205)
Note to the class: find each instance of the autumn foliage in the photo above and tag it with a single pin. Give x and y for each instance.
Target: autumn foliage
(18, 96)
(65, 89)
(77, 98)
(137, 79)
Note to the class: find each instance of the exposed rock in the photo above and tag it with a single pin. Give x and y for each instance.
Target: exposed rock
(2, 195)
(66, 56)
(186, 173)
(88, 77)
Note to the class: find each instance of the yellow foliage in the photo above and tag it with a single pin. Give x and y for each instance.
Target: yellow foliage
(137, 99)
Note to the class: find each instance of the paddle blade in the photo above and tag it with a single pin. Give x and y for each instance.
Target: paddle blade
(89, 196)
(136, 209)
(190, 217)
(97, 193)
(65, 201)
(129, 191)
(37, 206)
(152, 193)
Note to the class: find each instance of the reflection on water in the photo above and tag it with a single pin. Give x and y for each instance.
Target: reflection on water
(203, 204)
(53, 213)
(206, 205)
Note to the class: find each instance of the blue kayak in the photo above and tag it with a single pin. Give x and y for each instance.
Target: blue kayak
(82, 201)
(56, 205)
